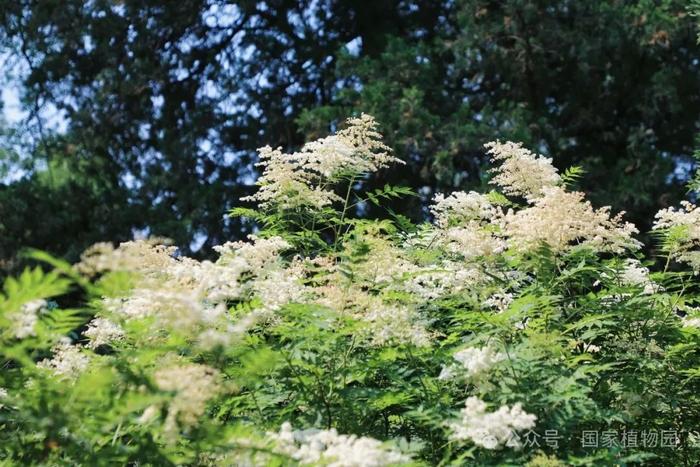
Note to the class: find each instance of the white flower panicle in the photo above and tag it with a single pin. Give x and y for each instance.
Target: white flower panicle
(256, 254)
(355, 149)
(491, 430)
(471, 242)
(520, 172)
(397, 324)
(635, 274)
(460, 208)
(148, 415)
(167, 305)
(285, 183)
(188, 296)
(279, 288)
(102, 331)
(466, 222)
(148, 257)
(564, 219)
(24, 321)
(301, 179)
(194, 385)
(682, 227)
(327, 447)
(687, 216)
(68, 361)
(448, 277)
(478, 360)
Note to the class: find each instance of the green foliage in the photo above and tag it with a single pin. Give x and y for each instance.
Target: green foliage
(572, 175)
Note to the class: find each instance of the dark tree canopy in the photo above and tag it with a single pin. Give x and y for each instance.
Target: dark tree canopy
(165, 102)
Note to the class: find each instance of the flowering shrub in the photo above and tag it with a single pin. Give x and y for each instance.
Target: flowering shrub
(521, 327)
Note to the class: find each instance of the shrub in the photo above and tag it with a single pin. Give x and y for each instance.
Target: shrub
(520, 326)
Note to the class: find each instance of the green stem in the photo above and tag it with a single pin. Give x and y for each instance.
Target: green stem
(342, 216)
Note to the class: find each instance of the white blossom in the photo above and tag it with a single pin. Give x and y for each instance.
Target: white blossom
(397, 324)
(635, 274)
(472, 241)
(166, 304)
(148, 257)
(256, 254)
(102, 331)
(460, 208)
(302, 179)
(68, 361)
(562, 219)
(193, 386)
(148, 415)
(329, 448)
(448, 277)
(491, 430)
(683, 225)
(521, 172)
(279, 288)
(478, 360)
(23, 322)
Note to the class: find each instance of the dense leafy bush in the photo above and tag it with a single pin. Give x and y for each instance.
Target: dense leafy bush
(520, 326)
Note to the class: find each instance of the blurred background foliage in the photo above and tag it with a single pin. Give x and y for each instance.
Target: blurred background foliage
(143, 116)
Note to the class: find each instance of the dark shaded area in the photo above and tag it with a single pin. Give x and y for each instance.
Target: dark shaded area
(166, 102)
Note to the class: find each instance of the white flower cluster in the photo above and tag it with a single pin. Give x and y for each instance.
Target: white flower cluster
(520, 172)
(189, 296)
(257, 254)
(327, 447)
(564, 219)
(102, 331)
(397, 324)
(491, 430)
(470, 225)
(472, 241)
(279, 288)
(302, 179)
(384, 321)
(683, 229)
(68, 361)
(448, 277)
(27, 317)
(168, 305)
(194, 385)
(358, 149)
(466, 224)
(473, 362)
(637, 275)
(460, 208)
(147, 257)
